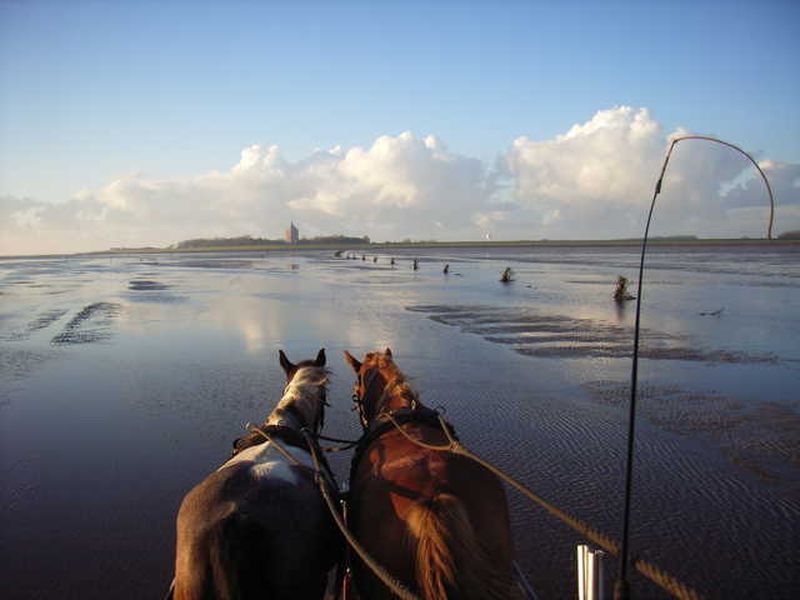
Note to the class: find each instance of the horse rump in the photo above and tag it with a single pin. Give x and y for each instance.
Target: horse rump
(271, 541)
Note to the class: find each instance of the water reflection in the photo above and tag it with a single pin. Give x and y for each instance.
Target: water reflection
(620, 309)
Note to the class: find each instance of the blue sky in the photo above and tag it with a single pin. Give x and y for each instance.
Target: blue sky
(92, 92)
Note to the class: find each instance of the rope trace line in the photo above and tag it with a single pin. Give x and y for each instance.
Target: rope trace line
(457, 447)
(388, 580)
(655, 574)
(279, 447)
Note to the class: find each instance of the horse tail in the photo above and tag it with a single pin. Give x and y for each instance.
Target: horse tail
(450, 561)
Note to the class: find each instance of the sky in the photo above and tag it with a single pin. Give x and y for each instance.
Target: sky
(132, 124)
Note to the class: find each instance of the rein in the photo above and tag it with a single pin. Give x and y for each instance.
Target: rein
(258, 434)
(271, 439)
(658, 576)
(385, 423)
(397, 588)
(396, 419)
(358, 401)
(341, 446)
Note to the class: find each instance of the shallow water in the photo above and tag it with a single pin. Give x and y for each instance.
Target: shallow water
(124, 379)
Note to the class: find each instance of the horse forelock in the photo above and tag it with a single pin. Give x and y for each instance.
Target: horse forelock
(305, 392)
(395, 383)
(381, 360)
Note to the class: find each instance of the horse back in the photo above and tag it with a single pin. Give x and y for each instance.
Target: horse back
(241, 534)
(396, 482)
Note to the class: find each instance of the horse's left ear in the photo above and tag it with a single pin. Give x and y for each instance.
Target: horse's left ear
(286, 364)
(352, 361)
(388, 352)
(320, 360)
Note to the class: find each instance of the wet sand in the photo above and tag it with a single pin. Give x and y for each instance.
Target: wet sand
(124, 380)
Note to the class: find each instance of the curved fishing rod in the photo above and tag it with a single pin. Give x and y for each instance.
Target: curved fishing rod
(621, 586)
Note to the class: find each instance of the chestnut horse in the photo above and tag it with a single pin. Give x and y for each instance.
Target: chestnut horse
(438, 522)
(258, 526)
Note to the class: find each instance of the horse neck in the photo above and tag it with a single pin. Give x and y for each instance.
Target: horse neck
(302, 399)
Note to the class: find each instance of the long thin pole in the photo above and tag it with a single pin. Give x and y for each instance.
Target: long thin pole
(621, 586)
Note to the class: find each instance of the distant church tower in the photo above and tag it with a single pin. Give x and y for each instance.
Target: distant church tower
(291, 235)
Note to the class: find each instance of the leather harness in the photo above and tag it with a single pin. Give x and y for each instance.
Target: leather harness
(287, 435)
(382, 424)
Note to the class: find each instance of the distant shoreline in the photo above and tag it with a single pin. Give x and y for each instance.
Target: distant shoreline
(386, 246)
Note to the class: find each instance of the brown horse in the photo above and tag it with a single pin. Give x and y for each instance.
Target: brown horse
(436, 521)
(258, 526)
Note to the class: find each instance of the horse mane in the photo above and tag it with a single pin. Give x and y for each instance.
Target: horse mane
(303, 393)
(396, 383)
(399, 387)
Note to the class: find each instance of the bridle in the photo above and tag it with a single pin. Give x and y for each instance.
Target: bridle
(319, 423)
(323, 402)
(358, 401)
(365, 384)
(292, 430)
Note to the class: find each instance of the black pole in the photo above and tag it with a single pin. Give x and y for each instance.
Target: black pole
(621, 585)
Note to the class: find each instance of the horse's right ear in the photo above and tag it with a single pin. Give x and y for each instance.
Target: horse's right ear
(320, 360)
(352, 361)
(286, 364)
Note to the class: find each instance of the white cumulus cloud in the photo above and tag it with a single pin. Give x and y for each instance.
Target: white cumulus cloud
(593, 181)
(597, 180)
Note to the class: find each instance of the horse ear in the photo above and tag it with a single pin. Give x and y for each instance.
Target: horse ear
(352, 361)
(320, 360)
(286, 364)
(388, 352)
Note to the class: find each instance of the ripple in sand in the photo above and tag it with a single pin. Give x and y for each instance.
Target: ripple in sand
(562, 336)
(152, 291)
(16, 365)
(91, 324)
(146, 285)
(47, 318)
(761, 439)
(42, 321)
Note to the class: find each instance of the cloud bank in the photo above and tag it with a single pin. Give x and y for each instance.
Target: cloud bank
(593, 181)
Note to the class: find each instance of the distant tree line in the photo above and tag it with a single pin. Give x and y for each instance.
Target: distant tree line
(244, 240)
(335, 239)
(247, 240)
